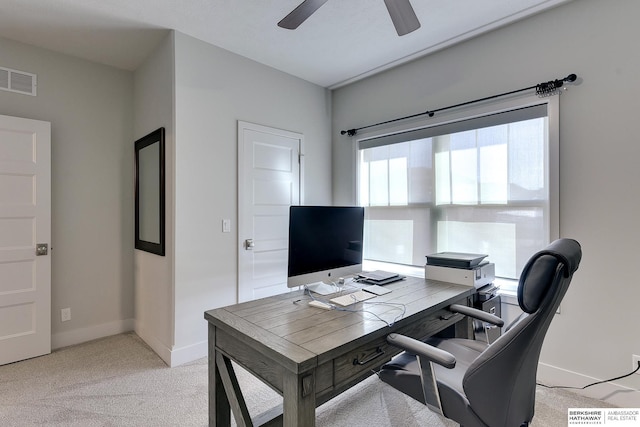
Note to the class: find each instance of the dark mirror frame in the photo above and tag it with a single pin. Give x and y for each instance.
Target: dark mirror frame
(158, 248)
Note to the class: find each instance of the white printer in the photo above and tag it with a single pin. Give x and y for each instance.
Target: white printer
(460, 268)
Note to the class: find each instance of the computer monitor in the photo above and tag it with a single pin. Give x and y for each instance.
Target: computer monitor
(325, 243)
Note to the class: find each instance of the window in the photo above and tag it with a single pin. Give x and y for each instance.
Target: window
(483, 180)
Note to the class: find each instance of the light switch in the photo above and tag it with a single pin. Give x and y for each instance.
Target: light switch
(226, 226)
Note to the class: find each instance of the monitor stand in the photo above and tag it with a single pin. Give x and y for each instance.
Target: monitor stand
(321, 288)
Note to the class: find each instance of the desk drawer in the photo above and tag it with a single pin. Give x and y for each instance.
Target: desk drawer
(375, 353)
(369, 356)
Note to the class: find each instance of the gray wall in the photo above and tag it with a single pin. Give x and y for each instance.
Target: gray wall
(198, 100)
(211, 90)
(596, 332)
(198, 92)
(90, 110)
(214, 89)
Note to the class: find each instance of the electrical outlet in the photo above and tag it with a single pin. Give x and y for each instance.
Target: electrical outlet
(65, 314)
(636, 361)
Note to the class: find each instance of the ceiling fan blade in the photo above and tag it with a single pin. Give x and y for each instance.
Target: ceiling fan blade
(300, 14)
(403, 16)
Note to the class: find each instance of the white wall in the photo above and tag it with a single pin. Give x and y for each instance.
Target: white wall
(154, 108)
(596, 332)
(212, 90)
(90, 110)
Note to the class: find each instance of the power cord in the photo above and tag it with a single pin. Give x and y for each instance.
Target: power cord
(592, 384)
(391, 304)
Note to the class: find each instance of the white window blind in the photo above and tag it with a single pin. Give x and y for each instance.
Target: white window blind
(482, 183)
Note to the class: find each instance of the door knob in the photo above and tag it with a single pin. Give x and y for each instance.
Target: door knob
(42, 249)
(249, 244)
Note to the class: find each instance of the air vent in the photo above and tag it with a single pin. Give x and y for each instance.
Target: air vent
(18, 81)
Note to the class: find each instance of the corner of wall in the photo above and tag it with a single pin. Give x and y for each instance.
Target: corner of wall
(154, 279)
(160, 349)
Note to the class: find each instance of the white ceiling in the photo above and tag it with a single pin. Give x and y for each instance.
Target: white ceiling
(342, 42)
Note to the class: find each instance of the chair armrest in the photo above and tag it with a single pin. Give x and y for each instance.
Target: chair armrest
(477, 314)
(421, 349)
(427, 355)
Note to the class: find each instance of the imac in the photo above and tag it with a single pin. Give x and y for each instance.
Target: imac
(325, 243)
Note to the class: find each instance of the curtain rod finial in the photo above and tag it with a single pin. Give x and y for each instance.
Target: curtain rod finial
(350, 132)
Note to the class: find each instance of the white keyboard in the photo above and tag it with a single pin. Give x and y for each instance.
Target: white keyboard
(348, 299)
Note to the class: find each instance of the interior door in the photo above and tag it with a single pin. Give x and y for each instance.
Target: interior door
(269, 176)
(25, 232)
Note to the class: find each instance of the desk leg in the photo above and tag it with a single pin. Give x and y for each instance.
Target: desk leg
(464, 328)
(219, 409)
(299, 400)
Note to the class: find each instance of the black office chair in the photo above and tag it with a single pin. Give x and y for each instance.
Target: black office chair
(489, 385)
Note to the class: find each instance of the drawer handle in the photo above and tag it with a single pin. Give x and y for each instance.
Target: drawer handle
(379, 352)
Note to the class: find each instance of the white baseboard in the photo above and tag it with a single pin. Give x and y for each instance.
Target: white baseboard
(612, 393)
(186, 354)
(175, 356)
(171, 356)
(78, 336)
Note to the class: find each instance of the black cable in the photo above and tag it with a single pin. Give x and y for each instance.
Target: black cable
(592, 384)
(542, 89)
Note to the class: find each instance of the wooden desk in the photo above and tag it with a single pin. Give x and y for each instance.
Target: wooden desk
(310, 355)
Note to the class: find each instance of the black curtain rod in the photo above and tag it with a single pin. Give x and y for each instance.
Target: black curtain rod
(542, 89)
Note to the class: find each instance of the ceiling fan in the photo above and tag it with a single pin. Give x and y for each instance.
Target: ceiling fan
(401, 12)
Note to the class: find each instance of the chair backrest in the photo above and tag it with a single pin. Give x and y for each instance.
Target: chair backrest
(501, 383)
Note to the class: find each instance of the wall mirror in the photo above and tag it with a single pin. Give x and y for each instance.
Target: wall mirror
(149, 192)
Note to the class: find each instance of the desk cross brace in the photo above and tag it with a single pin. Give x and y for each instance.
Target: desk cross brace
(271, 418)
(232, 388)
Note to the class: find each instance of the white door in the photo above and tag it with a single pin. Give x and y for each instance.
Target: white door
(25, 222)
(269, 175)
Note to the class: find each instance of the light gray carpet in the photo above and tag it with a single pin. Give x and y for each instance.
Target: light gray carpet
(120, 381)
